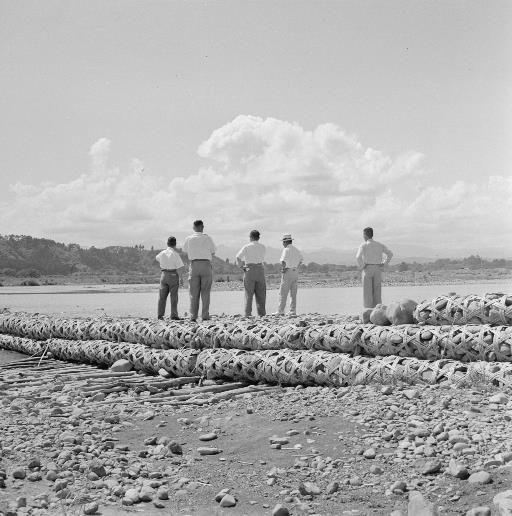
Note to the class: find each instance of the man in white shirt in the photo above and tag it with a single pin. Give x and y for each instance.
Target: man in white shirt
(369, 261)
(170, 262)
(200, 249)
(291, 258)
(250, 258)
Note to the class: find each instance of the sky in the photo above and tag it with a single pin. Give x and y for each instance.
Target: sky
(124, 121)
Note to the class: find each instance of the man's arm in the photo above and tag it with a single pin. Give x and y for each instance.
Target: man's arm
(388, 254)
(284, 255)
(359, 258)
(213, 248)
(185, 246)
(240, 257)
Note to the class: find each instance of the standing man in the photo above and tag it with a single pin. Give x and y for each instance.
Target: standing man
(369, 261)
(250, 258)
(170, 262)
(200, 249)
(291, 258)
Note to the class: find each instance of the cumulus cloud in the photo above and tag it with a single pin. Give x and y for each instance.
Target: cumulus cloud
(323, 185)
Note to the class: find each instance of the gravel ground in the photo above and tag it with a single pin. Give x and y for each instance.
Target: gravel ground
(357, 451)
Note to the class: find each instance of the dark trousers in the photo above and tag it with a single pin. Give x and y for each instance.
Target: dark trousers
(169, 284)
(199, 284)
(254, 285)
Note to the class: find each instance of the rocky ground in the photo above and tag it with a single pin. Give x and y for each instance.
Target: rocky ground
(307, 450)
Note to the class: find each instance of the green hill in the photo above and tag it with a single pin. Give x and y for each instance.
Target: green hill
(27, 256)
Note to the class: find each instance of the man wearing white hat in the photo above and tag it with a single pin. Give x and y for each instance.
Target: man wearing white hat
(291, 258)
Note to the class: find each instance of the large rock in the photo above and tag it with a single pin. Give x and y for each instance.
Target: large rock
(121, 366)
(503, 503)
(397, 314)
(378, 316)
(418, 506)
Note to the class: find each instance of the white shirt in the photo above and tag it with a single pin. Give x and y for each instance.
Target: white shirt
(291, 256)
(370, 252)
(253, 252)
(199, 246)
(169, 259)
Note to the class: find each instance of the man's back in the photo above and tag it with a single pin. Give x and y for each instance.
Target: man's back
(370, 252)
(199, 246)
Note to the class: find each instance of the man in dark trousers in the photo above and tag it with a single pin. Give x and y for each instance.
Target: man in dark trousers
(369, 261)
(200, 250)
(251, 258)
(170, 263)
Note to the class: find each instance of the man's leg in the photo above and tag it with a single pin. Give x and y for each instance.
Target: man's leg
(249, 286)
(206, 286)
(283, 291)
(260, 292)
(293, 292)
(174, 285)
(194, 289)
(368, 287)
(162, 295)
(377, 281)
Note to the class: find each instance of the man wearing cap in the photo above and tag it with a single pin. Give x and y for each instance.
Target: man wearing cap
(170, 262)
(200, 250)
(250, 258)
(369, 261)
(291, 258)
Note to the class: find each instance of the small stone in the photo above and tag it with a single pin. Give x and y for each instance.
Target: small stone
(387, 389)
(207, 450)
(97, 467)
(455, 469)
(51, 476)
(121, 366)
(309, 488)
(376, 470)
(480, 477)
(399, 485)
(175, 448)
(479, 511)
(21, 501)
(431, 467)
(418, 506)
(228, 500)
(500, 398)
(220, 495)
(279, 440)
(146, 494)
(503, 503)
(34, 463)
(332, 488)
(158, 505)
(132, 495)
(411, 394)
(91, 508)
(355, 481)
(162, 493)
(369, 453)
(208, 437)
(35, 477)
(280, 510)
(19, 473)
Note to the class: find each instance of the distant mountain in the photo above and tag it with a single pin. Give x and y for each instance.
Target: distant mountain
(32, 256)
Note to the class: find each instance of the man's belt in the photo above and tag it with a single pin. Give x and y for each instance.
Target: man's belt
(200, 260)
(251, 264)
(168, 270)
(374, 264)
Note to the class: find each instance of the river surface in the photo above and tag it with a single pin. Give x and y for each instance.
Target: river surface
(141, 300)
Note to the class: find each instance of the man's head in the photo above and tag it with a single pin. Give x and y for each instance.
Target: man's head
(254, 235)
(198, 226)
(287, 239)
(171, 241)
(367, 233)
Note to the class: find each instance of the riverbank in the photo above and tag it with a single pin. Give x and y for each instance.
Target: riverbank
(364, 450)
(306, 280)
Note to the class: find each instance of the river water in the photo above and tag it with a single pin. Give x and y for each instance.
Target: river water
(141, 300)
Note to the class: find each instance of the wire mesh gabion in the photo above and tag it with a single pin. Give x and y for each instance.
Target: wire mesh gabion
(281, 366)
(472, 309)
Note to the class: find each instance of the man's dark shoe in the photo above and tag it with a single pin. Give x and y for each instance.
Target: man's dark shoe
(193, 320)
(176, 318)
